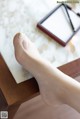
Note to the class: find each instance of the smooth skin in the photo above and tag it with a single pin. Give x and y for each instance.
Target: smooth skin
(55, 87)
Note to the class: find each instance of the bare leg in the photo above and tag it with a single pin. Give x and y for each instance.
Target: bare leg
(55, 87)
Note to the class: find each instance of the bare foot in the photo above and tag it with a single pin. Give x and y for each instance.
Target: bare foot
(55, 87)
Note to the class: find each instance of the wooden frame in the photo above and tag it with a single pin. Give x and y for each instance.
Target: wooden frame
(13, 95)
(57, 39)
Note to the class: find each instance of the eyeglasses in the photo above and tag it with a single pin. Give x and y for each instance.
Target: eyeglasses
(78, 14)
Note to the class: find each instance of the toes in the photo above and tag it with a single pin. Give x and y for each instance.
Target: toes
(17, 40)
(21, 39)
(19, 51)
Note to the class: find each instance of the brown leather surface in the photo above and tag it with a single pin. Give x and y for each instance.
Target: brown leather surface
(3, 102)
